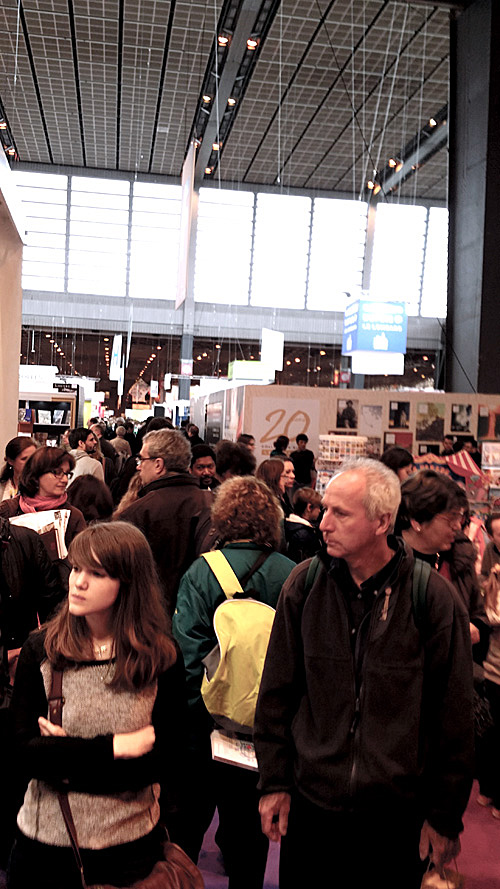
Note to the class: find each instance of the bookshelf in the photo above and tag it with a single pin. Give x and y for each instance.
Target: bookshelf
(46, 417)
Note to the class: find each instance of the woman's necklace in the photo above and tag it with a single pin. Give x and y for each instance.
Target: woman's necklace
(103, 651)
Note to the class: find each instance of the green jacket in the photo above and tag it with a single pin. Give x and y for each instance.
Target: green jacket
(200, 595)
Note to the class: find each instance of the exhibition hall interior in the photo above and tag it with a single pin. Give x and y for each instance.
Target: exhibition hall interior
(261, 217)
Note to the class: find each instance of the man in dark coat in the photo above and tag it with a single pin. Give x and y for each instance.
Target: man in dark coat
(363, 729)
(172, 511)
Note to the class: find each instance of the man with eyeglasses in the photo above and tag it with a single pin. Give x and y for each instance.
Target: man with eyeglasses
(172, 511)
(83, 444)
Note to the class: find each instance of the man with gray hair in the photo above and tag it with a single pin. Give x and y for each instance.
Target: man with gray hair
(363, 728)
(172, 511)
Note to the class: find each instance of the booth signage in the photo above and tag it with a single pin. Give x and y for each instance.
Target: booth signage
(371, 326)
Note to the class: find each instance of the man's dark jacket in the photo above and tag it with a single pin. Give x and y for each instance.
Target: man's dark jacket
(174, 515)
(391, 733)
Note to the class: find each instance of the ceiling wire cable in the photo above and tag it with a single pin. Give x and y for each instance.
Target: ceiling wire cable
(421, 105)
(217, 91)
(16, 53)
(369, 157)
(353, 98)
(391, 93)
(280, 51)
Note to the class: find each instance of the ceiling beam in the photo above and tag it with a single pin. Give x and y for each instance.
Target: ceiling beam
(446, 4)
(430, 139)
(253, 19)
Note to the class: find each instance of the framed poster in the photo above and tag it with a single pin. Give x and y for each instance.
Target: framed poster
(461, 415)
(401, 439)
(488, 421)
(370, 419)
(428, 449)
(399, 414)
(347, 413)
(430, 421)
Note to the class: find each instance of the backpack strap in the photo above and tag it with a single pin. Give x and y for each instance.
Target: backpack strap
(421, 575)
(223, 572)
(312, 573)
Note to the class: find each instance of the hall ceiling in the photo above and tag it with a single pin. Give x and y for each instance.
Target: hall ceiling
(332, 91)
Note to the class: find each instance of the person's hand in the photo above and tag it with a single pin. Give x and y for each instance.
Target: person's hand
(474, 634)
(49, 729)
(439, 849)
(130, 745)
(274, 809)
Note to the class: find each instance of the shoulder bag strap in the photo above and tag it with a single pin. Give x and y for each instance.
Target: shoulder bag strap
(56, 702)
(223, 572)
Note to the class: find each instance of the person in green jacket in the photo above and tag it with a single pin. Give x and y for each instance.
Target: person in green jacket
(246, 516)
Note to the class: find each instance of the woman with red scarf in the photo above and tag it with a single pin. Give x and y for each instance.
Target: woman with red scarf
(43, 486)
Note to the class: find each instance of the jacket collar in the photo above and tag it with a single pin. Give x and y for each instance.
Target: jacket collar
(179, 479)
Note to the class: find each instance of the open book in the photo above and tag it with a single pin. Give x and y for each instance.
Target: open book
(51, 525)
(233, 751)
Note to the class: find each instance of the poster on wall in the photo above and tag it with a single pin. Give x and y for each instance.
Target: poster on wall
(490, 455)
(213, 423)
(428, 449)
(370, 420)
(347, 413)
(430, 421)
(233, 420)
(287, 416)
(488, 421)
(399, 414)
(461, 417)
(401, 439)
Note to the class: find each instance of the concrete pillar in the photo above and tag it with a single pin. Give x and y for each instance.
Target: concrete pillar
(11, 252)
(473, 325)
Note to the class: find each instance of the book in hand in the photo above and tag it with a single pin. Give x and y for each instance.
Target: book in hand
(233, 751)
(51, 525)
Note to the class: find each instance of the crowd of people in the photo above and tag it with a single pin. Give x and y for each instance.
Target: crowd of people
(384, 635)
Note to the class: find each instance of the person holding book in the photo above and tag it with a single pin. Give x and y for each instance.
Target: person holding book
(118, 752)
(17, 452)
(42, 487)
(246, 517)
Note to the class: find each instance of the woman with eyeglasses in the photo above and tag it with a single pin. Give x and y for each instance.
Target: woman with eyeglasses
(431, 520)
(43, 487)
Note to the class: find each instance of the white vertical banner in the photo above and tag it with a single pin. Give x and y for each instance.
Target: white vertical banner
(153, 389)
(272, 347)
(121, 378)
(116, 358)
(186, 216)
(129, 332)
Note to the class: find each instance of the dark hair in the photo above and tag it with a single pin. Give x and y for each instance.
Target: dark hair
(396, 458)
(245, 508)
(281, 443)
(245, 439)
(143, 645)
(425, 495)
(79, 434)
(42, 461)
(155, 423)
(302, 497)
(199, 451)
(270, 472)
(493, 516)
(301, 437)
(92, 497)
(234, 458)
(13, 448)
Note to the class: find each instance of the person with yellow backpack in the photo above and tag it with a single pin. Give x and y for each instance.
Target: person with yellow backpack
(225, 610)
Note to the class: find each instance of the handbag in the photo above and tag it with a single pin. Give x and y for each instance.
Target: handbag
(174, 871)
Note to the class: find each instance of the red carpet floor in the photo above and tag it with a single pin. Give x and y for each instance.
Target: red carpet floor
(479, 860)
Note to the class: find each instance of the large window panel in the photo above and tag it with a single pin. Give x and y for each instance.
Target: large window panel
(280, 251)
(154, 247)
(337, 253)
(223, 246)
(398, 252)
(435, 283)
(44, 204)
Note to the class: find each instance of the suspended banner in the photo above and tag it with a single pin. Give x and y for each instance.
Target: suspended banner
(375, 336)
(116, 358)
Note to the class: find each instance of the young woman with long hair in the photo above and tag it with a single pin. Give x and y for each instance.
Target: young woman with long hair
(17, 453)
(122, 718)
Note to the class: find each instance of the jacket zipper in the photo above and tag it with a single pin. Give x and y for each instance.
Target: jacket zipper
(354, 729)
